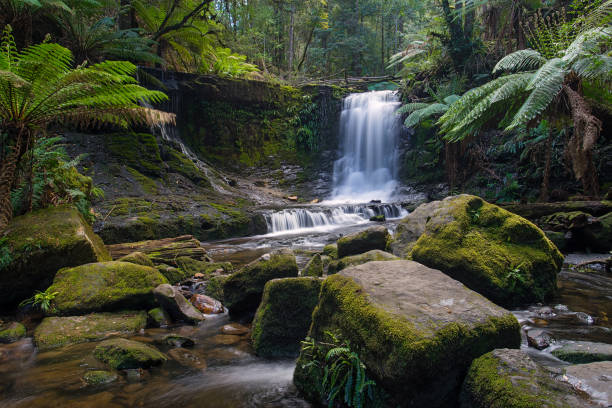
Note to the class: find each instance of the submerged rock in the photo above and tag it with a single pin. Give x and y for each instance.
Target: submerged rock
(235, 329)
(41, 243)
(187, 358)
(105, 286)
(363, 241)
(11, 332)
(122, 354)
(416, 329)
(284, 316)
(492, 251)
(59, 331)
(374, 255)
(243, 290)
(539, 339)
(177, 340)
(138, 258)
(579, 352)
(508, 378)
(314, 267)
(173, 302)
(99, 377)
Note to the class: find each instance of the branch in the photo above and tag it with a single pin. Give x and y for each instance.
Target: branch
(184, 21)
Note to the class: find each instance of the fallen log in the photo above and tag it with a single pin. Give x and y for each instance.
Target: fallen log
(164, 251)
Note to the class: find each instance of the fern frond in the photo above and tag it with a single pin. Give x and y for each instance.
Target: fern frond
(522, 60)
(418, 116)
(411, 107)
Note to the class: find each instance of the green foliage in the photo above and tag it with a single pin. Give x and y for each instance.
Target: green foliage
(5, 253)
(228, 64)
(41, 300)
(515, 277)
(307, 123)
(341, 376)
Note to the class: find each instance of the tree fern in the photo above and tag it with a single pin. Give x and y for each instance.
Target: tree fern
(522, 60)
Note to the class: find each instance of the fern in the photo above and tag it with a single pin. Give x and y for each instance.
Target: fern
(519, 61)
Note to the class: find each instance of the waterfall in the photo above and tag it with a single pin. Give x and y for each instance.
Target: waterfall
(369, 136)
(322, 219)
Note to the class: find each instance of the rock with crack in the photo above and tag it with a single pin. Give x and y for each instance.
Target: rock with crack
(173, 302)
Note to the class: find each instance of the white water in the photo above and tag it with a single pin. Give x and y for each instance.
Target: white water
(369, 136)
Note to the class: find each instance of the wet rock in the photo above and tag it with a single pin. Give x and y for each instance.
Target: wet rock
(187, 358)
(234, 329)
(363, 241)
(545, 312)
(507, 378)
(122, 354)
(99, 377)
(539, 339)
(595, 379)
(584, 318)
(492, 251)
(416, 329)
(199, 275)
(580, 352)
(214, 286)
(378, 218)
(173, 302)
(314, 267)
(284, 316)
(59, 331)
(331, 250)
(374, 255)
(11, 332)
(561, 309)
(225, 339)
(138, 258)
(158, 317)
(243, 290)
(104, 286)
(135, 375)
(41, 243)
(177, 340)
(206, 304)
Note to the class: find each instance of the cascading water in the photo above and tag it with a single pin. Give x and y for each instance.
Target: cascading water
(369, 136)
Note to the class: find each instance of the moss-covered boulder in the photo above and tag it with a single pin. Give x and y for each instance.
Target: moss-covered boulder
(173, 302)
(12, 332)
(580, 352)
(99, 377)
(314, 267)
(214, 286)
(416, 329)
(158, 317)
(363, 241)
(492, 251)
(331, 250)
(284, 316)
(138, 258)
(39, 244)
(243, 290)
(508, 378)
(105, 286)
(191, 266)
(123, 354)
(374, 255)
(60, 331)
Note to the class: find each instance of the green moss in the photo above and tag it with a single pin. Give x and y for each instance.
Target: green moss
(122, 354)
(314, 267)
(137, 258)
(179, 163)
(284, 316)
(192, 266)
(12, 332)
(375, 255)
(105, 286)
(584, 352)
(363, 241)
(331, 250)
(500, 255)
(158, 317)
(54, 332)
(99, 377)
(243, 290)
(214, 287)
(402, 358)
(136, 150)
(148, 186)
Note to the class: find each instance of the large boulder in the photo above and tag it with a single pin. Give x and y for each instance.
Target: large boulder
(416, 329)
(581, 230)
(105, 286)
(123, 354)
(60, 331)
(284, 316)
(374, 255)
(508, 378)
(243, 290)
(173, 302)
(492, 251)
(42, 242)
(363, 241)
(314, 267)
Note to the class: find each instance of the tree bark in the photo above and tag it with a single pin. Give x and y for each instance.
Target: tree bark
(291, 29)
(7, 177)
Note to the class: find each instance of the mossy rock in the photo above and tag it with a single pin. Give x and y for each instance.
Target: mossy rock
(172, 301)
(177, 162)
(602, 236)
(374, 255)
(314, 267)
(363, 241)
(508, 378)
(158, 317)
(42, 242)
(557, 238)
(54, 332)
(137, 258)
(174, 275)
(581, 352)
(12, 332)
(191, 266)
(177, 340)
(243, 290)
(214, 286)
(123, 354)
(331, 250)
(105, 286)
(284, 316)
(492, 251)
(99, 377)
(137, 150)
(416, 329)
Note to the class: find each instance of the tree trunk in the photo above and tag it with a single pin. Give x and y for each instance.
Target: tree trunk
(308, 41)
(291, 29)
(7, 177)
